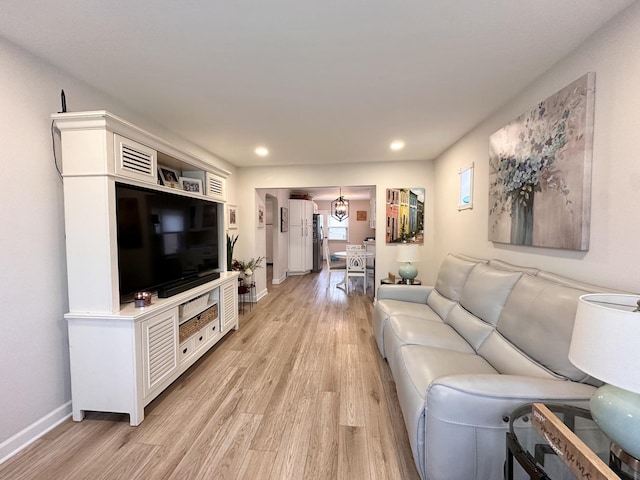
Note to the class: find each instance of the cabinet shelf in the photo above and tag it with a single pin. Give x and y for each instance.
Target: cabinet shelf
(122, 357)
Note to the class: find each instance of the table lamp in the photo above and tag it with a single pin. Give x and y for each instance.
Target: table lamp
(606, 345)
(406, 254)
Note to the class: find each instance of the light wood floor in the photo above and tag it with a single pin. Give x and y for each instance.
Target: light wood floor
(299, 392)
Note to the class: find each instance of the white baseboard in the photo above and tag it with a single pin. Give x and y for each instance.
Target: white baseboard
(262, 294)
(278, 281)
(37, 429)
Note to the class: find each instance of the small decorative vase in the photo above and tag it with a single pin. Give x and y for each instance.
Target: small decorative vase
(522, 221)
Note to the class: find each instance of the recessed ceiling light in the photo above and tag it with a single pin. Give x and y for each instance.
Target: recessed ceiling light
(262, 151)
(397, 145)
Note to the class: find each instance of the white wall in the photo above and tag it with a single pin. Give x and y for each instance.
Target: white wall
(33, 343)
(34, 366)
(382, 175)
(612, 259)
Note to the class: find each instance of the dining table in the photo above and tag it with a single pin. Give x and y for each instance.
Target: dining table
(343, 254)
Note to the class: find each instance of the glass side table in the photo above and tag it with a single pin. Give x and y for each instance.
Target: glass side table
(534, 454)
(399, 281)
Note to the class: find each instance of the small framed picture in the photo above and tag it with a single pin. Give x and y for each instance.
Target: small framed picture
(193, 185)
(284, 219)
(260, 217)
(232, 217)
(168, 177)
(465, 196)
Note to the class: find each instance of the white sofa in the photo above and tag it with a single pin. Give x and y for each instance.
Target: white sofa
(488, 337)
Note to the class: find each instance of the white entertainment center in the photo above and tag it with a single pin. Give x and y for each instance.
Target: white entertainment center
(123, 356)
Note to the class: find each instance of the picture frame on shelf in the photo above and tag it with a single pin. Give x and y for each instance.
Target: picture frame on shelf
(193, 185)
(260, 216)
(232, 217)
(168, 176)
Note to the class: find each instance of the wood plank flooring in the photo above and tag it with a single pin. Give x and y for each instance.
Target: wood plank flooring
(298, 392)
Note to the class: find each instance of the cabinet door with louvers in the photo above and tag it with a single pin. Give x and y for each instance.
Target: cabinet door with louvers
(134, 160)
(229, 297)
(159, 352)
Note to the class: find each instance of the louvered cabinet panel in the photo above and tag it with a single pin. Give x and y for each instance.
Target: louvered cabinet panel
(215, 186)
(229, 294)
(134, 160)
(160, 351)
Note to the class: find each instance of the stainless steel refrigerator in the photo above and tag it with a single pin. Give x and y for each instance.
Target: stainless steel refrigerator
(317, 242)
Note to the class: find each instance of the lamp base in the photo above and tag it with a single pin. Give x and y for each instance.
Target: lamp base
(617, 413)
(408, 272)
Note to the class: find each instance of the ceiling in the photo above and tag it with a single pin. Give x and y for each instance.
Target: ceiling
(316, 82)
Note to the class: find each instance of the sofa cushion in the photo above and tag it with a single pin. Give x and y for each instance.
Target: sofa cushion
(474, 330)
(388, 307)
(402, 330)
(507, 359)
(441, 305)
(569, 282)
(538, 319)
(486, 290)
(513, 268)
(415, 367)
(452, 276)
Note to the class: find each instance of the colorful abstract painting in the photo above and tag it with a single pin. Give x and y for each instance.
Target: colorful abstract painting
(540, 172)
(405, 215)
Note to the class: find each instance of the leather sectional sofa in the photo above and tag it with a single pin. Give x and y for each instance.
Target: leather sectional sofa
(464, 354)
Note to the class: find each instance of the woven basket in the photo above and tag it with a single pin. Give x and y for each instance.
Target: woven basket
(196, 323)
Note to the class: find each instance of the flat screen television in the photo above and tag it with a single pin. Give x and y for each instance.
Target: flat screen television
(166, 242)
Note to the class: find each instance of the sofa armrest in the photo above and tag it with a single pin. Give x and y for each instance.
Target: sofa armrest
(406, 293)
(467, 417)
(486, 399)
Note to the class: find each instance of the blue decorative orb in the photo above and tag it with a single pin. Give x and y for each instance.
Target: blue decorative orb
(408, 271)
(617, 413)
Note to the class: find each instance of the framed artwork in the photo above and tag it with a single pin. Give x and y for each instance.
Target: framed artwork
(193, 185)
(232, 217)
(260, 216)
(284, 219)
(405, 215)
(361, 215)
(168, 177)
(465, 193)
(540, 172)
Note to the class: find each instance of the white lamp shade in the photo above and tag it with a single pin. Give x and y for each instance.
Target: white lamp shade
(407, 253)
(606, 339)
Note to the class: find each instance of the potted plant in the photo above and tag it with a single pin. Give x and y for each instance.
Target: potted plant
(231, 242)
(247, 267)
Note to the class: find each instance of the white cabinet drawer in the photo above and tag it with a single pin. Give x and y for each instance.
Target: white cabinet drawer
(199, 339)
(186, 349)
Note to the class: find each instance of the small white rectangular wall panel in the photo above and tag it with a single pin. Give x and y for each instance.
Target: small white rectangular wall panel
(134, 160)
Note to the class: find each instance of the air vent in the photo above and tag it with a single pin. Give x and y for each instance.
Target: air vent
(135, 160)
(215, 186)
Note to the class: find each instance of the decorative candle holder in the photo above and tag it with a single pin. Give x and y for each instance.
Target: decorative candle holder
(142, 299)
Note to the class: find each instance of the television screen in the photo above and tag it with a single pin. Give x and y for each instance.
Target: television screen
(163, 238)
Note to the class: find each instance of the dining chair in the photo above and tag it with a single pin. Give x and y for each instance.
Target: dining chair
(340, 267)
(354, 246)
(356, 268)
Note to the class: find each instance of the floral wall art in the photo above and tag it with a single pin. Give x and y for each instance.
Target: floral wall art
(540, 172)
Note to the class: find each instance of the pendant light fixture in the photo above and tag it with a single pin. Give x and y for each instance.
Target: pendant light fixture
(340, 207)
